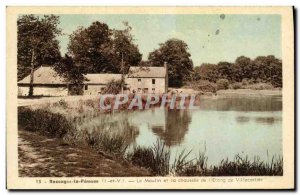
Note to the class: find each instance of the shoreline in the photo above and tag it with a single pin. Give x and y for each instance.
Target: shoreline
(228, 93)
(250, 92)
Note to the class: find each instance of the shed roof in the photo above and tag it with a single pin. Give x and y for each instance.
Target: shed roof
(44, 75)
(147, 72)
(101, 78)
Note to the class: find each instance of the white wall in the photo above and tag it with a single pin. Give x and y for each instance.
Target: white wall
(134, 84)
(93, 89)
(43, 91)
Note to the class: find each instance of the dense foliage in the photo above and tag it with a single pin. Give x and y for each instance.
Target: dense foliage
(37, 43)
(99, 49)
(175, 53)
(263, 69)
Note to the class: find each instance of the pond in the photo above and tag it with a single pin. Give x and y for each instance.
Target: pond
(222, 128)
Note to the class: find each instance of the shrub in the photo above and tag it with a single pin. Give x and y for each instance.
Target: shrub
(43, 121)
(245, 82)
(236, 85)
(202, 85)
(222, 84)
(113, 87)
(91, 103)
(260, 86)
(61, 103)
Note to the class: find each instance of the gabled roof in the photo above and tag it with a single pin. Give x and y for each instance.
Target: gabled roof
(44, 75)
(101, 78)
(147, 72)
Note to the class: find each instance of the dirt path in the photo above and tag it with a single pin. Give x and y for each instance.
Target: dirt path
(45, 100)
(40, 156)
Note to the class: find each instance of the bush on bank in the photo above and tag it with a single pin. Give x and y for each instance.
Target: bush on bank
(43, 121)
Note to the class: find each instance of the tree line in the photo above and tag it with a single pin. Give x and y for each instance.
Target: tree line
(100, 49)
(265, 69)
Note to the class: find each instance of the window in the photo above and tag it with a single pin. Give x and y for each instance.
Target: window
(145, 90)
(86, 87)
(153, 90)
(153, 81)
(139, 80)
(139, 89)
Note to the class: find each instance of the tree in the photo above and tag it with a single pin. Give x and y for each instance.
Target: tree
(127, 53)
(175, 53)
(68, 69)
(225, 70)
(91, 48)
(269, 69)
(207, 72)
(99, 49)
(37, 44)
(72, 73)
(242, 69)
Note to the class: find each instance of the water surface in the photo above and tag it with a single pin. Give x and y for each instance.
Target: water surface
(222, 128)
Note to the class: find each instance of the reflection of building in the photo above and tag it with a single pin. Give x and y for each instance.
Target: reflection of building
(169, 125)
(175, 128)
(47, 82)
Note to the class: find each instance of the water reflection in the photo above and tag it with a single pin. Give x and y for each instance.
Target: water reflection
(230, 126)
(266, 103)
(176, 126)
(267, 120)
(242, 119)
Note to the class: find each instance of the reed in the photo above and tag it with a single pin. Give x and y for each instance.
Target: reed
(155, 158)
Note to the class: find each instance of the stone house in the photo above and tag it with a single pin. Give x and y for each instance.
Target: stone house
(147, 79)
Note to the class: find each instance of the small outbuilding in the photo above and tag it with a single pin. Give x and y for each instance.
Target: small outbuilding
(96, 83)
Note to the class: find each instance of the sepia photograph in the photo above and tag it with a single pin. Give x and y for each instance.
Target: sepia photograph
(150, 98)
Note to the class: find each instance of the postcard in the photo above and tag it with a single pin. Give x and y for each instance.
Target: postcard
(150, 98)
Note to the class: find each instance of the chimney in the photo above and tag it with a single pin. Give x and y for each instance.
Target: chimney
(165, 65)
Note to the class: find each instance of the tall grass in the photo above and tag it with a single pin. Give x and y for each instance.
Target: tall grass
(244, 166)
(155, 158)
(43, 121)
(183, 165)
(193, 167)
(112, 143)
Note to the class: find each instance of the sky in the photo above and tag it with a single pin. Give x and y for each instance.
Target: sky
(210, 38)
